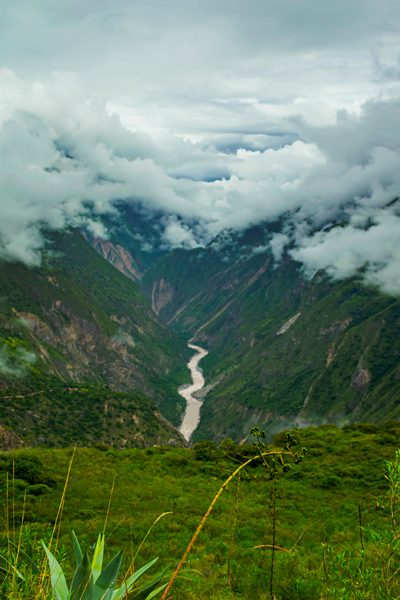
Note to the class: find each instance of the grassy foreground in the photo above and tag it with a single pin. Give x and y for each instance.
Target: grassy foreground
(330, 515)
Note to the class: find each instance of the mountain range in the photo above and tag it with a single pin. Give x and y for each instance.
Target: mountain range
(104, 344)
(284, 350)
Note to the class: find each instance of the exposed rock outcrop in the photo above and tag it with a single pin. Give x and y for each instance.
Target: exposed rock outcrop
(9, 440)
(360, 379)
(119, 257)
(161, 295)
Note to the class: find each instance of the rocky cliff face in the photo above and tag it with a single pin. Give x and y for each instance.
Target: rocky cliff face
(162, 294)
(9, 440)
(119, 257)
(83, 344)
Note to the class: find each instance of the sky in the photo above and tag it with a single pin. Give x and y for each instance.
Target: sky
(217, 113)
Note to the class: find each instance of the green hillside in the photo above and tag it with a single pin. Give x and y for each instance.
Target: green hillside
(320, 505)
(79, 344)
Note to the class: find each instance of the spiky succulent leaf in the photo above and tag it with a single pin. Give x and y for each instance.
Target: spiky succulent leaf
(155, 592)
(77, 549)
(105, 584)
(122, 591)
(82, 587)
(97, 562)
(57, 577)
(145, 591)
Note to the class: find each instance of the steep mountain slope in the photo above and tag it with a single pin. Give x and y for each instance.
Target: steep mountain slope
(283, 349)
(134, 239)
(80, 349)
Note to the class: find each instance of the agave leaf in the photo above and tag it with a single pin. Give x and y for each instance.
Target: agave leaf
(58, 583)
(82, 584)
(97, 562)
(144, 591)
(77, 549)
(103, 594)
(122, 591)
(105, 584)
(155, 592)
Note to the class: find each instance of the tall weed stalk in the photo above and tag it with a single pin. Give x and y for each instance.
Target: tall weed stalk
(266, 457)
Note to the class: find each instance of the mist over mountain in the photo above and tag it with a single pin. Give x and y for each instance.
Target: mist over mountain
(240, 165)
(72, 166)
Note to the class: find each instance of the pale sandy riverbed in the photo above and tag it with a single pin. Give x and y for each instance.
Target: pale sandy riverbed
(192, 413)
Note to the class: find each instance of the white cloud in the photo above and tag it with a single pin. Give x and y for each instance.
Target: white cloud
(343, 251)
(278, 244)
(179, 235)
(66, 161)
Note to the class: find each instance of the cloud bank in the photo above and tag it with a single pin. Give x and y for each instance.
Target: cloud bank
(66, 161)
(214, 114)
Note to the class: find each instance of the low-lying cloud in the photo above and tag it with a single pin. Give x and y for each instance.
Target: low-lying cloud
(15, 363)
(344, 251)
(67, 162)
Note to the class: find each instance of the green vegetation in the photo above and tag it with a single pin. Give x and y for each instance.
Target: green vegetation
(338, 361)
(49, 416)
(331, 519)
(79, 343)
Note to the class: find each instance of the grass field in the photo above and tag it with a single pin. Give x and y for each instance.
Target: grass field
(332, 514)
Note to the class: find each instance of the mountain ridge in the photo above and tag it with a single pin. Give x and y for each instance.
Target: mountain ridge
(281, 345)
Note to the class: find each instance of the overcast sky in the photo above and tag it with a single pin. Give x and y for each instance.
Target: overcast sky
(221, 112)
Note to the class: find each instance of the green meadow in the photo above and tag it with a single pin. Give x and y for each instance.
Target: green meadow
(326, 525)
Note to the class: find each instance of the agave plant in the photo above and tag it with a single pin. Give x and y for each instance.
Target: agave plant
(93, 582)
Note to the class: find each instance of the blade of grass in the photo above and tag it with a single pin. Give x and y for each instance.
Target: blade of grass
(56, 528)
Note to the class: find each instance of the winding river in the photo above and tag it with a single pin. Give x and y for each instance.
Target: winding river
(192, 413)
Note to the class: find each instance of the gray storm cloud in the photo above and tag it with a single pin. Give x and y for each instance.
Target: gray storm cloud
(66, 161)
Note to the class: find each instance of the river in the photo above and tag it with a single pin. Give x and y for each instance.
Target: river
(193, 405)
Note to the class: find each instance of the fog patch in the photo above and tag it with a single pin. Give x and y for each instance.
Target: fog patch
(15, 362)
(122, 338)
